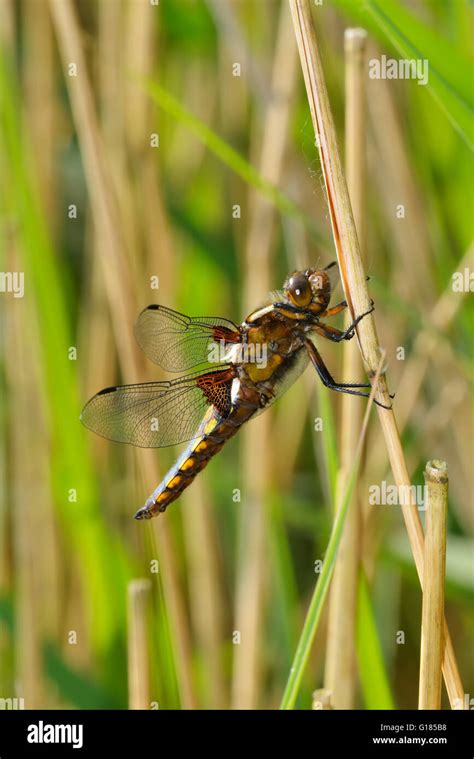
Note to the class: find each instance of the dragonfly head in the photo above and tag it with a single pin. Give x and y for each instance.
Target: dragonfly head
(309, 290)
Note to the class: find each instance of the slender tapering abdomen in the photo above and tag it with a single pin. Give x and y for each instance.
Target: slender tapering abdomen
(213, 432)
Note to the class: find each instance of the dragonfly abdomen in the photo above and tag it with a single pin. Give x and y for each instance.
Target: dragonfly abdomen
(215, 432)
(178, 478)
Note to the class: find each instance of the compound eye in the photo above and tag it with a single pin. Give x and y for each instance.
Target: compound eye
(298, 290)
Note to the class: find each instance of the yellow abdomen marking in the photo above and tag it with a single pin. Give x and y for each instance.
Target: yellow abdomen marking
(175, 481)
(188, 464)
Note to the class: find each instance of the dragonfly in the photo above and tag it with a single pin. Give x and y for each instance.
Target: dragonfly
(243, 370)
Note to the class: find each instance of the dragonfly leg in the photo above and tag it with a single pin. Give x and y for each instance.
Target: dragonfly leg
(336, 335)
(330, 382)
(335, 309)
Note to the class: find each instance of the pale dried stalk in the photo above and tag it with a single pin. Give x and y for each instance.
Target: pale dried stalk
(424, 348)
(395, 181)
(316, 606)
(41, 110)
(206, 594)
(322, 700)
(123, 307)
(205, 577)
(140, 19)
(7, 24)
(426, 343)
(227, 22)
(39, 100)
(148, 220)
(95, 332)
(355, 288)
(257, 460)
(30, 489)
(340, 670)
(151, 231)
(139, 595)
(432, 623)
(98, 177)
(6, 564)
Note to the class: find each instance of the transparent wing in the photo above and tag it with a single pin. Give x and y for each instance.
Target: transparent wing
(332, 270)
(177, 342)
(158, 414)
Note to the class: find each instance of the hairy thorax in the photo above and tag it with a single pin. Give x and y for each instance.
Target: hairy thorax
(279, 358)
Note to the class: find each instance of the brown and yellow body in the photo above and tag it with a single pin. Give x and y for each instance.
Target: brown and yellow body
(255, 385)
(214, 432)
(256, 363)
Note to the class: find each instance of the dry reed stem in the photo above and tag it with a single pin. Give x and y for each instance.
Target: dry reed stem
(148, 220)
(257, 460)
(322, 700)
(6, 568)
(30, 489)
(41, 111)
(340, 670)
(40, 102)
(206, 595)
(151, 232)
(204, 575)
(123, 308)
(290, 425)
(112, 71)
(395, 182)
(139, 596)
(432, 624)
(7, 24)
(355, 288)
(96, 339)
(140, 19)
(355, 46)
(426, 343)
(225, 19)
(425, 346)
(98, 177)
(5, 557)
(462, 429)
(316, 606)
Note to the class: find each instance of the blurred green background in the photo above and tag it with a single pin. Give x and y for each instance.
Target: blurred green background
(172, 144)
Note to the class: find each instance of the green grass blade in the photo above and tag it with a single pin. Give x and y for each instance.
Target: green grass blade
(450, 72)
(77, 688)
(284, 586)
(227, 154)
(372, 673)
(329, 440)
(317, 602)
(102, 559)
